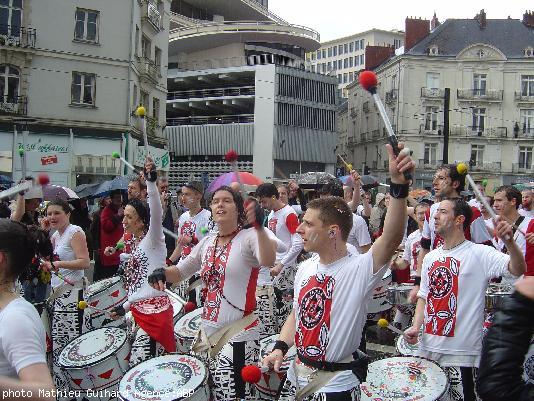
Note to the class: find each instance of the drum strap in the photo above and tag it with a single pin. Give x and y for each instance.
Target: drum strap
(269, 291)
(214, 343)
(317, 378)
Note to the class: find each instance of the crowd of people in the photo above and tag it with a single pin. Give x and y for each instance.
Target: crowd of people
(278, 261)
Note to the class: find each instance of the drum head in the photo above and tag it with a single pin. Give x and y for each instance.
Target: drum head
(189, 324)
(92, 347)
(404, 378)
(266, 346)
(100, 286)
(165, 378)
(405, 348)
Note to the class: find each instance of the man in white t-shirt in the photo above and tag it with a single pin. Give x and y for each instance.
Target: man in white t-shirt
(451, 298)
(527, 203)
(192, 227)
(448, 184)
(283, 222)
(331, 294)
(506, 202)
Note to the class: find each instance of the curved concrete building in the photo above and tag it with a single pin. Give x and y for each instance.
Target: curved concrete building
(237, 79)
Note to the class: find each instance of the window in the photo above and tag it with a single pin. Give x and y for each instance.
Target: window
(145, 47)
(430, 156)
(527, 120)
(329, 52)
(134, 97)
(527, 85)
(479, 116)
(351, 47)
(362, 59)
(356, 60)
(9, 84)
(431, 118)
(397, 43)
(351, 64)
(362, 45)
(351, 76)
(335, 51)
(340, 50)
(357, 45)
(313, 55)
(313, 68)
(329, 66)
(136, 41)
(339, 64)
(432, 80)
(345, 48)
(345, 78)
(10, 17)
(525, 157)
(477, 155)
(318, 54)
(346, 63)
(86, 27)
(324, 53)
(83, 88)
(155, 108)
(479, 84)
(340, 78)
(144, 100)
(157, 58)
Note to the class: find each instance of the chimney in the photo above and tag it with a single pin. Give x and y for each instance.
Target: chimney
(376, 55)
(528, 19)
(434, 23)
(416, 30)
(481, 18)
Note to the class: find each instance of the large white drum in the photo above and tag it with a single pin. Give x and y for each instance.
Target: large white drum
(166, 378)
(186, 329)
(379, 302)
(105, 294)
(404, 378)
(270, 381)
(96, 360)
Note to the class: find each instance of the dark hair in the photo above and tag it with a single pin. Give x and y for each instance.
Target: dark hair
(142, 209)
(22, 243)
(332, 188)
(461, 208)
(420, 204)
(334, 210)
(285, 186)
(511, 193)
(139, 181)
(61, 203)
(238, 200)
(267, 190)
(454, 175)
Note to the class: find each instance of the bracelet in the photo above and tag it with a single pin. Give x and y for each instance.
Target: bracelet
(282, 346)
(399, 191)
(417, 280)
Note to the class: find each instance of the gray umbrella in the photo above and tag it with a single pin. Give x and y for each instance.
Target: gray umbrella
(118, 183)
(86, 190)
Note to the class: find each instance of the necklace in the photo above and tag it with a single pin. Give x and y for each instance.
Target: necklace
(232, 234)
(455, 246)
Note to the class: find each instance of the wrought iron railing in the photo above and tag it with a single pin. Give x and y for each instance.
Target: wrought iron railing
(16, 105)
(17, 36)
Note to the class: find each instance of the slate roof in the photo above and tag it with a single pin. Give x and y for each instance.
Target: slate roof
(510, 36)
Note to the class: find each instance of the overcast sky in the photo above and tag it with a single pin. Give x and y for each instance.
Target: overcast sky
(337, 18)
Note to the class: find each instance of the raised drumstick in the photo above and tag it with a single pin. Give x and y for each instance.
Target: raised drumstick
(231, 157)
(385, 324)
(58, 274)
(347, 165)
(84, 305)
(117, 155)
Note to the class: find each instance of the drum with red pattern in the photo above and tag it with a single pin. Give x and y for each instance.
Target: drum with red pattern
(186, 330)
(105, 294)
(96, 360)
(378, 304)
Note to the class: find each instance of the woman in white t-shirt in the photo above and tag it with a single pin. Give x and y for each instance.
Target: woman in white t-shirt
(228, 263)
(23, 369)
(71, 257)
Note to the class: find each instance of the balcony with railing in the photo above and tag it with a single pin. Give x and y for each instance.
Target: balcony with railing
(151, 15)
(212, 93)
(524, 96)
(525, 132)
(493, 167)
(148, 69)
(429, 163)
(391, 96)
(490, 95)
(375, 134)
(13, 105)
(432, 93)
(353, 112)
(431, 129)
(203, 120)
(474, 131)
(364, 136)
(351, 142)
(17, 36)
(523, 168)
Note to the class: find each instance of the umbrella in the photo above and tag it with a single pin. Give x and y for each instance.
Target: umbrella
(119, 183)
(228, 178)
(86, 190)
(52, 192)
(346, 180)
(5, 180)
(368, 182)
(315, 178)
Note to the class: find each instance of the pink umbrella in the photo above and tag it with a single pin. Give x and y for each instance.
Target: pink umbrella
(228, 178)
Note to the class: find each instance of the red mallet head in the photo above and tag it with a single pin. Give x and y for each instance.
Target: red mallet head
(189, 307)
(251, 374)
(368, 81)
(43, 179)
(231, 156)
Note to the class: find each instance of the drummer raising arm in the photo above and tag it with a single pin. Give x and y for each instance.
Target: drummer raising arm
(451, 298)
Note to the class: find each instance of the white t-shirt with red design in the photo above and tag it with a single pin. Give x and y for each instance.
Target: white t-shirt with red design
(283, 223)
(359, 233)
(230, 275)
(192, 227)
(477, 232)
(412, 246)
(454, 283)
(330, 304)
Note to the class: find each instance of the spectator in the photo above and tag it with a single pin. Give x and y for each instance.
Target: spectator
(377, 213)
(296, 196)
(111, 231)
(170, 213)
(137, 189)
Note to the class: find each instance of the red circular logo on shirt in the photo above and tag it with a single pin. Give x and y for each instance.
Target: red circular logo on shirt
(440, 282)
(312, 308)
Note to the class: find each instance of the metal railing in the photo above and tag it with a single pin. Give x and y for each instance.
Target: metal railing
(522, 168)
(13, 105)
(17, 36)
(431, 129)
(375, 134)
(215, 92)
(152, 15)
(429, 163)
(474, 131)
(524, 97)
(479, 94)
(432, 93)
(486, 166)
(264, 10)
(203, 120)
(244, 26)
(148, 68)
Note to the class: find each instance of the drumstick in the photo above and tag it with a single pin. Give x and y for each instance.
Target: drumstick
(231, 157)
(57, 274)
(252, 373)
(385, 324)
(116, 155)
(141, 112)
(175, 296)
(347, 165)
(83, 305)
